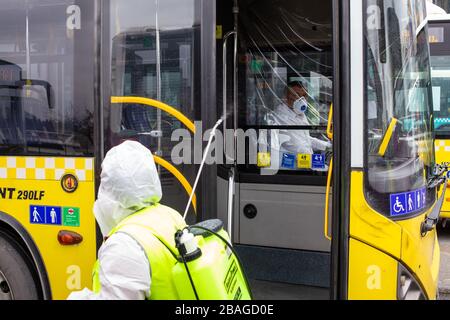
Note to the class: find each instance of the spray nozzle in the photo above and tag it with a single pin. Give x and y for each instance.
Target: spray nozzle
(187, 246)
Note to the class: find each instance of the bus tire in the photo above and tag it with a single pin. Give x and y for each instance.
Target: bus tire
(17, 275)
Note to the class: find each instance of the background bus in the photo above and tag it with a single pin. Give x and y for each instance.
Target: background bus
(439, 35)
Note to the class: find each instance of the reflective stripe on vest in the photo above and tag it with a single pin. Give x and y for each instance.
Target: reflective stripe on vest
(151, 227)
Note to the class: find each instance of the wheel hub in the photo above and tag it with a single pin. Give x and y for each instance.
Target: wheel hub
(5, 288)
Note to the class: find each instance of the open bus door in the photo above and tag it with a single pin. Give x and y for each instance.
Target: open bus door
(276, 193)
(274, 208)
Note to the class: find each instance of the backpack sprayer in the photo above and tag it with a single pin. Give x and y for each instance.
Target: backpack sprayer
(208, 267)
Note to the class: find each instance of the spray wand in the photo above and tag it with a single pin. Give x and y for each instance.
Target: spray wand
(205, 154)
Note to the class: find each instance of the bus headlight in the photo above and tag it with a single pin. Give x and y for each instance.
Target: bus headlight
(408, 287)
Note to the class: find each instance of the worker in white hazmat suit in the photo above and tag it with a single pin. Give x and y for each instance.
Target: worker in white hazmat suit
(126, 208)
(293, 113)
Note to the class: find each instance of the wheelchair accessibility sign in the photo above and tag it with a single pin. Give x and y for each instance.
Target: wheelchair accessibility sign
(407, 202)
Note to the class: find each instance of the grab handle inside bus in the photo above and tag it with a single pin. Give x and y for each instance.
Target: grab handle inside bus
(387, 137)
(327, 200)
(330, 124)
(329, 176)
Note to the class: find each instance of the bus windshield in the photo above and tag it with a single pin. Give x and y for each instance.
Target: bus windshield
(399, 152)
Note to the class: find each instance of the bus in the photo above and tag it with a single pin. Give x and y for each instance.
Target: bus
(439, 30)
(78, 77)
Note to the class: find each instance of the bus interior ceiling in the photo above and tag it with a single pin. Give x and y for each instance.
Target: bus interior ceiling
(278, 42)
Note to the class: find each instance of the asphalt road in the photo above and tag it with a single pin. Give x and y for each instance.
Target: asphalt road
(444, 274)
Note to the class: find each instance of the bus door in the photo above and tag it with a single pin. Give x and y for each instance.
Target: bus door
(275, 62)
(151, 68)
(439, 32)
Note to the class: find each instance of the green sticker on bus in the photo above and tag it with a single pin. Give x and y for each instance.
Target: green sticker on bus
(71, 216)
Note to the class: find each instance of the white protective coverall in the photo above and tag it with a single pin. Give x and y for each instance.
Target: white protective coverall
(296, 141)
(129, 182)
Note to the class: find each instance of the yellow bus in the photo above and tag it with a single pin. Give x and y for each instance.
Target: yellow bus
(78, 77)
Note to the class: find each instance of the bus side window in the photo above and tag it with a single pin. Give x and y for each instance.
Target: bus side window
(46, 87)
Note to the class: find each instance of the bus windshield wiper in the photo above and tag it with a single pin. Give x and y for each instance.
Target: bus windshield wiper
(439, 177)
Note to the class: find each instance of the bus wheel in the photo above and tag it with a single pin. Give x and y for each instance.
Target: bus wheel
(17, 279)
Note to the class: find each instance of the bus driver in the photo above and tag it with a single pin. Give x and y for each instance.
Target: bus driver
(293, 113)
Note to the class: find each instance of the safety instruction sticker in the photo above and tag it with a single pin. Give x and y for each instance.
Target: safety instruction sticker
(263, 159)
(54, 215)
(407, 202)
(304, 161)
(288, 161)
(318, 161)
(71, 216)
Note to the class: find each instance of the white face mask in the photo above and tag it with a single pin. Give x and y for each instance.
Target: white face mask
(300, 105)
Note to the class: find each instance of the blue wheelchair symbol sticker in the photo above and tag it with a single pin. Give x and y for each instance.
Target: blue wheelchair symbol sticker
(398, 204)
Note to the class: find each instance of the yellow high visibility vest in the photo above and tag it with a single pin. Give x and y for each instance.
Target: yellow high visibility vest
(154, 229)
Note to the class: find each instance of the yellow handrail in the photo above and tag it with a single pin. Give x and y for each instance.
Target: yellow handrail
(387, 137)
(330, 124)
(159, 105)
(330, 174)
(169, 167)
(327, 196)
(176, 114)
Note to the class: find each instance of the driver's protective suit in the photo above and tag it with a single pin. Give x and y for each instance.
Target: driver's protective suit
(296, 141)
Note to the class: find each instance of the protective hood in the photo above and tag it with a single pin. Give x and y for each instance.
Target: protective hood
(129, 182)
